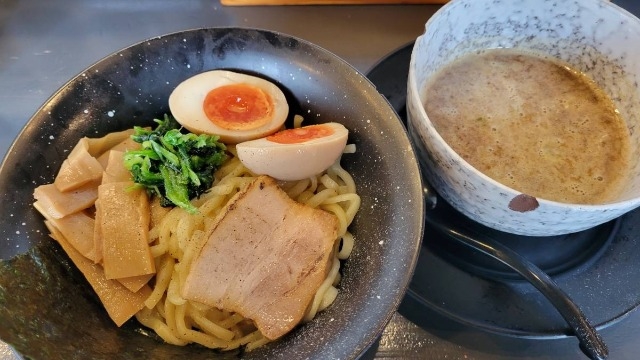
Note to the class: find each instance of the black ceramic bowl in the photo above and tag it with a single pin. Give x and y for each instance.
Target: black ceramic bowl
(47, 310)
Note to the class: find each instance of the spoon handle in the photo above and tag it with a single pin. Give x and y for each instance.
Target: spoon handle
(591, 342)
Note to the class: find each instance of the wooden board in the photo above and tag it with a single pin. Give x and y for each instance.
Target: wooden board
(328, 2)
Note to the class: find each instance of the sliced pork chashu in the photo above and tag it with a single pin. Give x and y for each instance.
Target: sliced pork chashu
(264, 259)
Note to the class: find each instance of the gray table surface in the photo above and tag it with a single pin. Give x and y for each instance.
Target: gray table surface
(43, 44)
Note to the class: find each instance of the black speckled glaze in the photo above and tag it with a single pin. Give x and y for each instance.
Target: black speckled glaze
(132, 87)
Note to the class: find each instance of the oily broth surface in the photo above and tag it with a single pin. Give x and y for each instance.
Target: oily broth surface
(533, 124)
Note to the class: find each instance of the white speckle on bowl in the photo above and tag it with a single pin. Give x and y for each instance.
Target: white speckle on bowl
(86, 111)
(51, 137)
(111, 113)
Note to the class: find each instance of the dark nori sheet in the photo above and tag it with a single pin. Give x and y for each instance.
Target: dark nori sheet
(49, 311)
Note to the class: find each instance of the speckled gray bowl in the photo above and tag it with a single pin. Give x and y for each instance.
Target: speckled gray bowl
(596, 37)
(47, 309)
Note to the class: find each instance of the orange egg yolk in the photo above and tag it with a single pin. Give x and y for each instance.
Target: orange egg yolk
(238, 107)
(300, 135)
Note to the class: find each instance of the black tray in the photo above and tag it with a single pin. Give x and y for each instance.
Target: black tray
(598, 268)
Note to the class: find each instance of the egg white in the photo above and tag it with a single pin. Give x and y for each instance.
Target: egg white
(293, 161)
(186, 105)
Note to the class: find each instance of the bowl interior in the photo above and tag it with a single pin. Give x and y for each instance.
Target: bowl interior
(131, 87)
(594, 36)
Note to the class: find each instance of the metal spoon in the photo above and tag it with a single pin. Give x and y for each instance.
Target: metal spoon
(591, 343)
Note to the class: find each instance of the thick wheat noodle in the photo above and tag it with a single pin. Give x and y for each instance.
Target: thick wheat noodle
(170, 317)
(151, 320)
(153, 234)
(336, 170)
(230, 321)
(179, 236)
(163, 242)
(314, 184)
(197, 240)
(196, 336)
(183, 233)
(297, 121)
(159, 249)
(298, 187)
(346, 246)
(163, 277)
(173, 291)
(328, 182)
(248, 339)
(209, 326)
(213, 204)
(352, 199)
(317, 199)
(257, 343)
(322, 291)
(338, 211)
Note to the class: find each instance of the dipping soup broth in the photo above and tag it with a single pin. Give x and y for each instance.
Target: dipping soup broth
(532, 123)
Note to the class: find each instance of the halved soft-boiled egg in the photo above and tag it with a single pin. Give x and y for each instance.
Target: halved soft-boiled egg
(295, 154)
(237, 107)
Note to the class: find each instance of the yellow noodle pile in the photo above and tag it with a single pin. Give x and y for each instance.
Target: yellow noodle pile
(178, 236)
